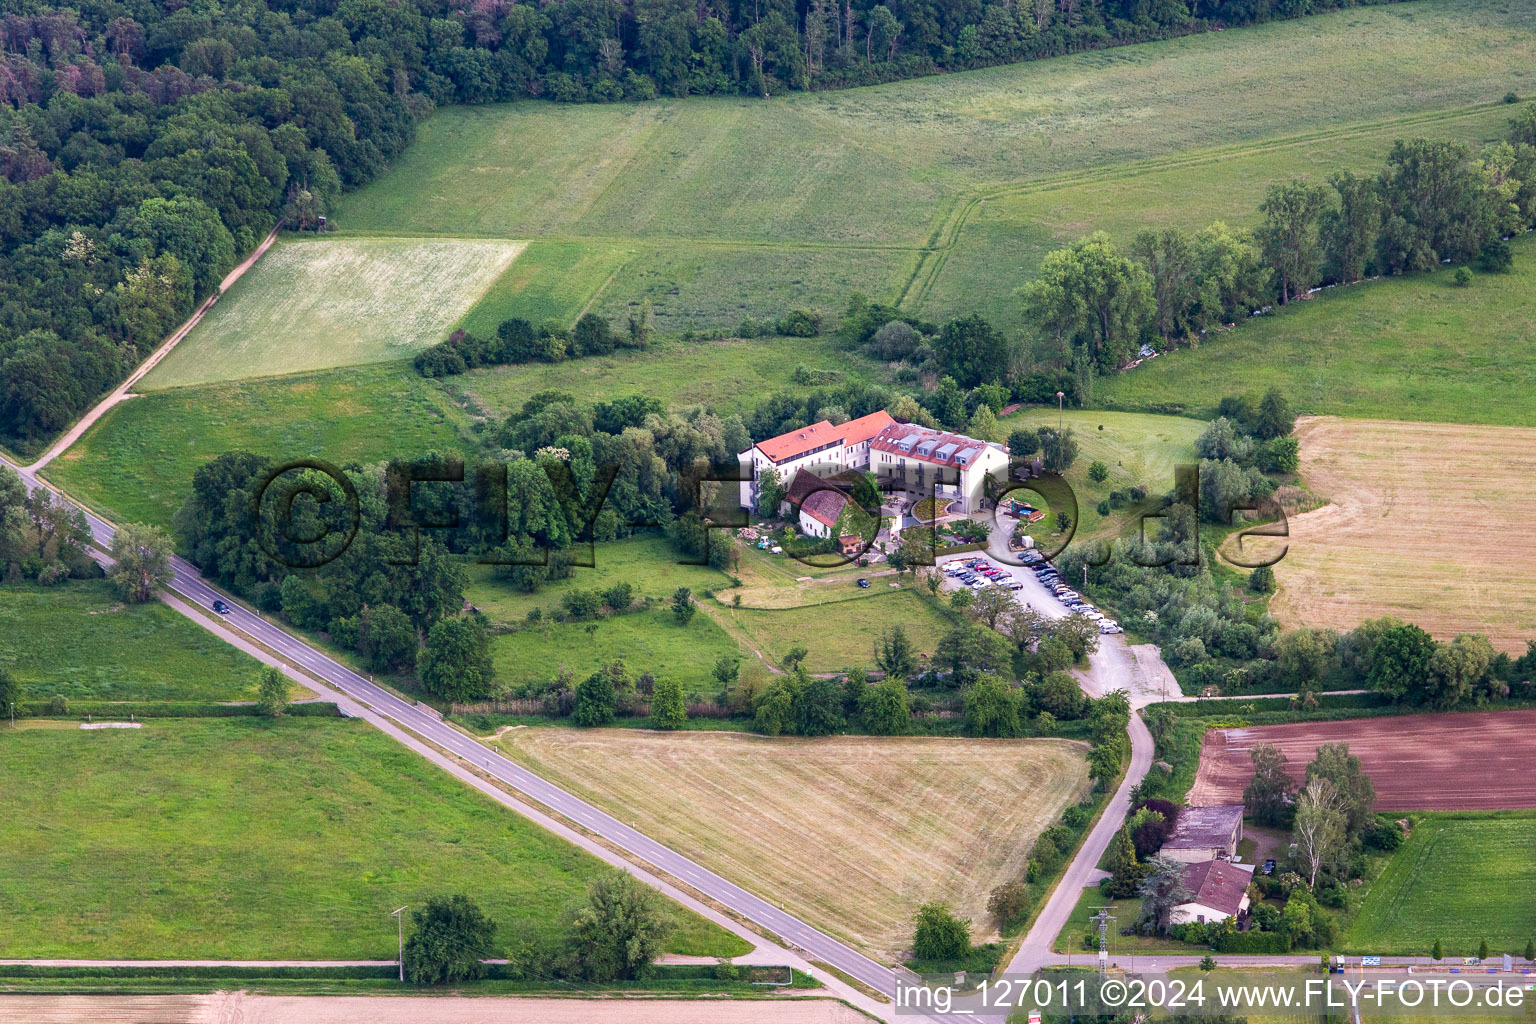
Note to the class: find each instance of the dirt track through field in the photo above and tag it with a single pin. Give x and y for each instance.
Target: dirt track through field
(1431, 522)
(240, 1008)
(1479, 760)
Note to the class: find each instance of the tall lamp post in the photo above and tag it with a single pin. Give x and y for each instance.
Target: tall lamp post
(1060, 395)
(399, 916)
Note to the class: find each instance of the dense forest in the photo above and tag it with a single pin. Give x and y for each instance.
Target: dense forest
(146, 146)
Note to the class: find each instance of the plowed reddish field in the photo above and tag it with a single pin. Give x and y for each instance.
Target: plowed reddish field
(1482, 760)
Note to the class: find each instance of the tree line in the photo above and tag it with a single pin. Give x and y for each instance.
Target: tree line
(1096, 306)
(518, 341)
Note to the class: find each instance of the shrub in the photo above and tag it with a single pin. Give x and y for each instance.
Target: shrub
(1103, 507)
(581, 604)
(1097, 471)
(800, 323)
(1495, 258)
(1262, 580)
(940, 934)
(1253, 942)
(1009, 903)
(1383, 835)
(1462, 277)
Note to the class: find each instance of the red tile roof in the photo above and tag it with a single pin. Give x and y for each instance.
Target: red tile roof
(865, 427)
(1217, 884)
(797, 442)
(823, 434)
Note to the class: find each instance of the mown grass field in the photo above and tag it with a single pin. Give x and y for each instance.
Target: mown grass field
(77, 640)
(315, 303)
(716, 208)
(801, 167)
(257, 839)
(136, 464)
(548, 281)
(646, 641)
(1136, 448)
(650, 564)
(851, 833)
(1411, 502)
(1458, 878)
(1006, 233)
(1412, 348)
(838, 633)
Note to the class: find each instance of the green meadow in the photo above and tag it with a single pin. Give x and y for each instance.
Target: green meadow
(886, 164)
(77, 640)
(650, 640)
(728, 375)
(1135, 448)
(314, 303)
(1002, 236)
(1459, 878)
(136, 464)
(649, 564)
(943, 192)
(262, 839)
(839, 633)
(1408, 348)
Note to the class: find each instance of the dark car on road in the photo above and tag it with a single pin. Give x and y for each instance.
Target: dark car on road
(221, 607)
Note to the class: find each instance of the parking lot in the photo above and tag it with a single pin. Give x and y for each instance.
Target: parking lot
(1029, 587)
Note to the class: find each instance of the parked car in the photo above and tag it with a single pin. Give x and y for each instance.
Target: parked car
(1109, 626)
(1269, 867)
(1014, 585)
(863, 583)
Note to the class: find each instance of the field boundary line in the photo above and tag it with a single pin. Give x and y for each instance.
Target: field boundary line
(85, 422)
(948, 235)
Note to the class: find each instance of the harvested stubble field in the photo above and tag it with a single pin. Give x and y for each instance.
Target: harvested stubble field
(1477, 760)
(850, 833)
(1429, 522)
(313, 304)
(247, 1008)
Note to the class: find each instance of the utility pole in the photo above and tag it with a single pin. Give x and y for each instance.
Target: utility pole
(1103, 917)
(399, 916)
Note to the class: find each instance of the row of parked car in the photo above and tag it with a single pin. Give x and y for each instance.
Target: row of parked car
(1074, 602)
(978, 573)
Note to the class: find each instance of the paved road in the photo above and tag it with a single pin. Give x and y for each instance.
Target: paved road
(189, 584)
(1112, 667)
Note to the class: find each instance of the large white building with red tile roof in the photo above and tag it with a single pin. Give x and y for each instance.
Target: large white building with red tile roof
(822, 448)
(922, 461)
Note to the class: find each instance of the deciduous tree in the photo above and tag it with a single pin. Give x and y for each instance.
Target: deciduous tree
(141, 557)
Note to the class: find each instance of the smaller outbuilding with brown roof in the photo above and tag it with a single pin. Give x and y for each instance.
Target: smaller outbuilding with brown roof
(1205, 833)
